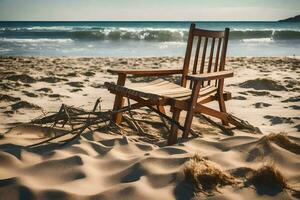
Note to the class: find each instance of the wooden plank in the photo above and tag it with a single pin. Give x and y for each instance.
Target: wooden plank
(211, 76)
(119, 101)
(161, 90)
(205, 110)
(211, 55)
(221, 102)
(187, 56)
(208, 33)
(204, 92)
(146, 72)
(203, 56)
(224, 50)
(208, 91)
(172, 139)
(196, 59)
(217, 55)
(217, 58)
(190, 110)
(148, 85)
(183, 103)
(197, 55)
(124, 91)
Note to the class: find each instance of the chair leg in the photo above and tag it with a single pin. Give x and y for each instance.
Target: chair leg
(188, 123)
(174, 129)
(221, 101)
(223, 109)
(190, 111)
(119, 100)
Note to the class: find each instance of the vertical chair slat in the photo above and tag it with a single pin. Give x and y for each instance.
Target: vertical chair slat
(203, 56)
(217, 57)
(197, 55)
(224, 50)
(187, 56)
(196, 59)
(211, 56)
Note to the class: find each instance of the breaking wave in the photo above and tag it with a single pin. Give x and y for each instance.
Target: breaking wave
(147, 34)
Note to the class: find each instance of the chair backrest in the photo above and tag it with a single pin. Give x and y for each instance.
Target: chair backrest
(205, 60)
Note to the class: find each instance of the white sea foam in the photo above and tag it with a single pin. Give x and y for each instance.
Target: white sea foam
(265, 29)
(60, 28)
(5, 50)
(39, 40)
(166, 45)
(38, 28)
(258, 40)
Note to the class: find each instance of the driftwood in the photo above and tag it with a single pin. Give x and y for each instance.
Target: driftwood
(242, 124)
(139, 128)
(76, 121)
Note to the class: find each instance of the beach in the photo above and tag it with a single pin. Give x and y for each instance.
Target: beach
(107, 164)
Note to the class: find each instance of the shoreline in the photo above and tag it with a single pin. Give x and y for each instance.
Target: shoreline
(131, 57)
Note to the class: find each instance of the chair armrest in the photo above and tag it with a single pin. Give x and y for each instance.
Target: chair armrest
(210, 76)
(146, 72)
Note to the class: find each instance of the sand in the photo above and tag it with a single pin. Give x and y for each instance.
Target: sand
(108, 164)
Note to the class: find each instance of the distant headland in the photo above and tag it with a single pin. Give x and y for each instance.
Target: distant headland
(291, 19)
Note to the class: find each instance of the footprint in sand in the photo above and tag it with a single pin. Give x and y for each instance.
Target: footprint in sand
(57, 96)
(24, 104)
(89, 73)
(279, 120)
(295, 107)
(29, 94)
(261, 105)
(21, 77)
(4, 97)
(45, 90)
(77, 84)
(292, 99)
(52, 79)
(239, 98)
(75, 90)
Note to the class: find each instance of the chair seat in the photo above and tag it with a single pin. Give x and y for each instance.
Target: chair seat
(159, 89)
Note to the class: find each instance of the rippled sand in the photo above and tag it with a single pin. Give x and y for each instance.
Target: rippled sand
(107, 165)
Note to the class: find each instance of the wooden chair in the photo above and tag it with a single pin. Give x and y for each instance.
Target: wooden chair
(206, 82)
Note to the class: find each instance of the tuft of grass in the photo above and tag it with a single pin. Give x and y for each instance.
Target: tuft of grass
(205, 175)
(282, 140)
(268, 176)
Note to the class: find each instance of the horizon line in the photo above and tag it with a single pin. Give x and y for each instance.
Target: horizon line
(139, 20)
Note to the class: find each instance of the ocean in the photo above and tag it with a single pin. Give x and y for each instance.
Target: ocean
(129, 39)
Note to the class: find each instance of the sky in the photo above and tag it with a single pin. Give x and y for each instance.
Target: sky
(141, 10)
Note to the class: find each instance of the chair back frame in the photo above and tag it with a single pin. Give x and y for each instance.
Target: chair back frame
(217, 56)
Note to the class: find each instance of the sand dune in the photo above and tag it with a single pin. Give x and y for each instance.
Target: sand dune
(112, 167)
(108, 164)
